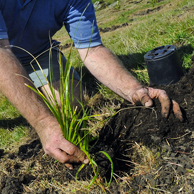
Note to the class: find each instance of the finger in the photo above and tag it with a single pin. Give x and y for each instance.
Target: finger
(165, 103)
(177, 111)
(146, 101)
(70, 166)
(142, 96)
(63, 157)
(73, 151)
(163, 98)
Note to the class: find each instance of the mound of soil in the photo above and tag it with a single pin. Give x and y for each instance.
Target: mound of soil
(168, 142)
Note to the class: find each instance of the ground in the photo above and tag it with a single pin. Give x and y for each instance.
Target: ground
(136, 138)
(150, 154)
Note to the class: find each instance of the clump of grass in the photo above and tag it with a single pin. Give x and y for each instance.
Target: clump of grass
(143, 159)
(102, 112)
(72, 121)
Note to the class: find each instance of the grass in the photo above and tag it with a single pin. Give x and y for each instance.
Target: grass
(106, 1)
(72, 114)
(12, 126)
(6, 109)
(13, 136)
(172, 23)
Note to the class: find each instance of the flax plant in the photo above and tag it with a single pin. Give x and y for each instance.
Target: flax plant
(73, 122)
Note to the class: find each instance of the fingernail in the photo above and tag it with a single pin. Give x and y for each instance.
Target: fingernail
(86, 161)
(148, 104)
(70, 168)
(179, 116)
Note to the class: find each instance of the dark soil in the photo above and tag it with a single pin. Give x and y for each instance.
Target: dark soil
(170, 141)
(124, 138)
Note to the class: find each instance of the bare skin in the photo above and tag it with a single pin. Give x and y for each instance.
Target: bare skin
(109, 71)
(103, 65)
(34, 109)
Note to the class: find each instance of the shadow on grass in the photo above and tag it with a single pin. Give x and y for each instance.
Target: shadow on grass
(11, 123)
(136, 60)
(186, 49)
(130, 61)
(183, 51)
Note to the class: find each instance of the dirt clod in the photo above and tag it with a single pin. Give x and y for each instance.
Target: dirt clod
(148, 151)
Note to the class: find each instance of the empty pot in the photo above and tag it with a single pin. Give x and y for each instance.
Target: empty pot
(163, 65)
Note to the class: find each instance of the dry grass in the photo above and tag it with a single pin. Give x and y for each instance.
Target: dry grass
(103, 112)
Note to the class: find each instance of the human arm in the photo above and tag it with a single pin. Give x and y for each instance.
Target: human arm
(110, 71)
(12, 85)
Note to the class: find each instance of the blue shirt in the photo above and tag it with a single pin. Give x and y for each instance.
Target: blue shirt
(30, 25)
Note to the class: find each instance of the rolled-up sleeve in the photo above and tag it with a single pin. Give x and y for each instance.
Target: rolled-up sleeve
(3, 29)
(81, 24)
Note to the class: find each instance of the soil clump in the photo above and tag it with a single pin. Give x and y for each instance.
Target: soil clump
(133, 134)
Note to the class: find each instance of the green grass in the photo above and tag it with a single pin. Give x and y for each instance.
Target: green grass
(9, 137)
(6, 109)
(167, 26)
(172, 24)
(107, 1)
(12, 128)
(72, 114)
(125, 12)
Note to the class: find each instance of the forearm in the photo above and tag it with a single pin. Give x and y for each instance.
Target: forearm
(109, 71)
(12, 85)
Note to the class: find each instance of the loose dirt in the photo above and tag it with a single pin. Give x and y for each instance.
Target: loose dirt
(133, 136)
(148, 151)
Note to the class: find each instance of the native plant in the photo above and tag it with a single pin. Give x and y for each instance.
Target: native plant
(73, 122)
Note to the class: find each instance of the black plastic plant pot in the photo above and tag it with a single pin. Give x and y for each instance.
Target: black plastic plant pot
(163, 65)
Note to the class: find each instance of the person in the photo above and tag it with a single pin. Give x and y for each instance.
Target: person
(27, 26)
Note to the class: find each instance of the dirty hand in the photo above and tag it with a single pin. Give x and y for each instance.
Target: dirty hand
(55, 145)
(145, 96)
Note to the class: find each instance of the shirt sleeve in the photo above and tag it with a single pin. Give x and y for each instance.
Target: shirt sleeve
(81, 24)
(3, 29)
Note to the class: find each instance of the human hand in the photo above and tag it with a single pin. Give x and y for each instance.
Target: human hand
(145, 96)
(55, 145)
